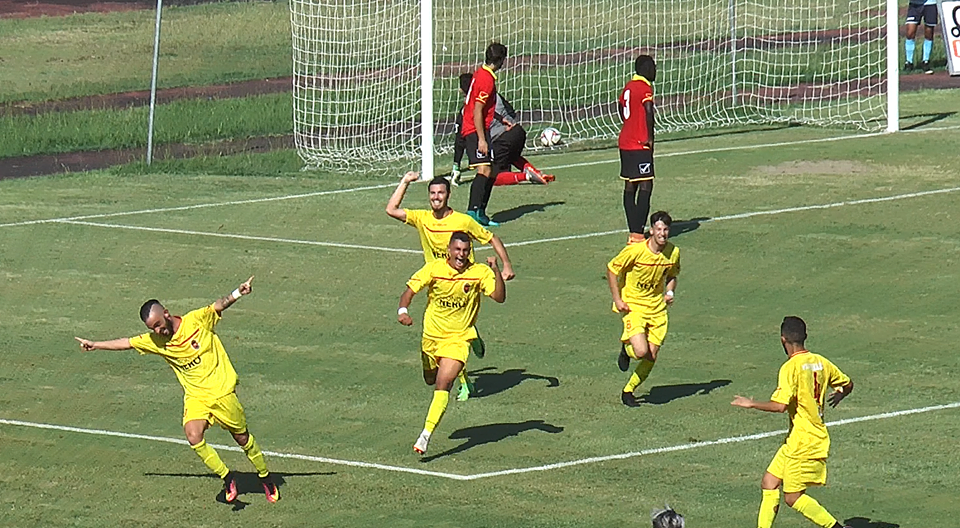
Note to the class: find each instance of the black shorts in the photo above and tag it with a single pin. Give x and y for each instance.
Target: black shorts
(929, 14)
(636, 165)
(508, 147)
(473, 155)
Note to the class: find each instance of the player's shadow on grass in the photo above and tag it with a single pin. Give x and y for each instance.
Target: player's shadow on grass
(667, 393)
(247, 482)
(930, 118)
(680, 227)
(488, 383)
(512, 214)
(863, 522)
(488, 434)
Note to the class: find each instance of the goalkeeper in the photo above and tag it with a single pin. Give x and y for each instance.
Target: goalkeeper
(508, 137)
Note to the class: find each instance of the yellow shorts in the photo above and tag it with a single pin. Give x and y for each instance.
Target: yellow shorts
(431, 349)
(636, 322)
(798, 474)
(225, 412)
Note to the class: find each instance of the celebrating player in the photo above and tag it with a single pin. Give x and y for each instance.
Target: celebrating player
(508, 138)
(478, 112)
(636, 145)
(643, 281)
(801, 461)
(454, 286)
(191, 347)
(434, 227)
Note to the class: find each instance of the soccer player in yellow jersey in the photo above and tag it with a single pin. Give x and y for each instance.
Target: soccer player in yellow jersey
(643, 281)
(801, 461)
(435, 227)
(454, 287)
(191, 347)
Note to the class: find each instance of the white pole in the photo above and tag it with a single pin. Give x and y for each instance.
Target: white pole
(893, 67)
(426, 89)
(733, 49)
(153, 83)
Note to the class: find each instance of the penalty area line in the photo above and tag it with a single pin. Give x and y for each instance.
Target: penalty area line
(180, 441)
(506, 472)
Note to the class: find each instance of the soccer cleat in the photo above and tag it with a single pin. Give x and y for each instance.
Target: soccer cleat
(925, 66)
(464, 393)
(629, 399)
(623, 360)
(421, 444)
(485, 220)
(535, 176)
(478, 347)
(230, 488)
(636, 238)
(270, 489)
(908, 66)
(475, 214)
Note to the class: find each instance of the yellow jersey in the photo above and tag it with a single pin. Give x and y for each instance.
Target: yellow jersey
(453, 298)
(435, 233)
(802, 386)
(195, 354)
(642, 275)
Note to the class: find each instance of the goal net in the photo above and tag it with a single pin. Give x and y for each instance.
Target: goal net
(720, 63)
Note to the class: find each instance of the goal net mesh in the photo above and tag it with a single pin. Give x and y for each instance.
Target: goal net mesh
(720, 63)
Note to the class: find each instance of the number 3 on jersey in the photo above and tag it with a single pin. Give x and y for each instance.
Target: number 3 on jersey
(626, 105)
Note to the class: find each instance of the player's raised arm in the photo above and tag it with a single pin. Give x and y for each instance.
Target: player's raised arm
(393, 205)
(499, 293)
(501, 252)
(403, 315)
(122, 343)
(223, 303)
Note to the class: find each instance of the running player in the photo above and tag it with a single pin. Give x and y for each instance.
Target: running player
(454, 286)
(636, 145)
(435, 227)
(478, 112)
(643, 281)
(801, 461)
(192, 348)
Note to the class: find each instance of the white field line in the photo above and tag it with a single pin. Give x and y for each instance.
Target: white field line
(242, 237)
(325, 460)
(476, 476)
(201, 206)
(513, 244)
(385, 185)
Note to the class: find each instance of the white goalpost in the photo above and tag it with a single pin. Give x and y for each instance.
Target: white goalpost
(375, 81)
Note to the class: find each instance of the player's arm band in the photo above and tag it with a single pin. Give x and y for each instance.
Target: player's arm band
(236, 294)
(402, 310)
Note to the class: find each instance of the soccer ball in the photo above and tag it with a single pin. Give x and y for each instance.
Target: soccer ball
(549, 137)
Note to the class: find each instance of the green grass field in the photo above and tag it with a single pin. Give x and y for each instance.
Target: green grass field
(327, 372)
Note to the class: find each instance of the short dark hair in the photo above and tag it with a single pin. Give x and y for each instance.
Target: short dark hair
(495, 55)
(147, 307)
(793, 329)
(661, 216)
(440, 180)
(646, 66)
(465, 80)
(462, 236)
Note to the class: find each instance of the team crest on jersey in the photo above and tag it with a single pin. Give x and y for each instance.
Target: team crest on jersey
(195, 344)
(644, 168)
(466, 288)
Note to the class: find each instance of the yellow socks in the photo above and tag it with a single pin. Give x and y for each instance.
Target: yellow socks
(769, 506)
(639, 375)
(210, 458)
(812, 510)
(256, 456)
(437, 407)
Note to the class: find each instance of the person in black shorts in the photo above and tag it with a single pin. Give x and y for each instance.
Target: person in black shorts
(918, 10)
(636, 145)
